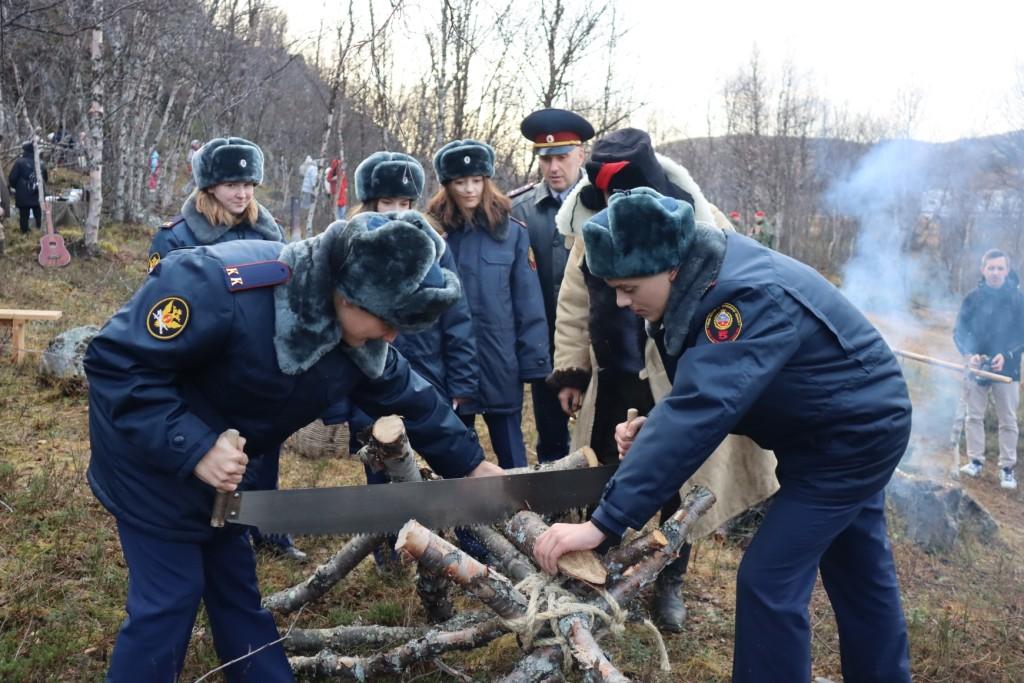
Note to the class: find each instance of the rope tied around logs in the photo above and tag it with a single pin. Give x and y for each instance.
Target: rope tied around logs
(562, 603)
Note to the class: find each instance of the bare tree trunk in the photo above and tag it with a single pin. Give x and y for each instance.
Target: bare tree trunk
(94, 147)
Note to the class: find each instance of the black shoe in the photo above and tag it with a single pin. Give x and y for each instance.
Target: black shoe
(667, 605)
(280, 546)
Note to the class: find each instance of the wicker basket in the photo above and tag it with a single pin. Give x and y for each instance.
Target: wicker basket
(317, 440)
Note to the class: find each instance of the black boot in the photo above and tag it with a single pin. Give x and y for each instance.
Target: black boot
(667, 602)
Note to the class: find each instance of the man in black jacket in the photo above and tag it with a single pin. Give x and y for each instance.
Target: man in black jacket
(23, 181)
(989, 332)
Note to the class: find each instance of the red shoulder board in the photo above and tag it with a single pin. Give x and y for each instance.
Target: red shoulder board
(516, 220)
(172, 222)
(521, 190)
(257, 274)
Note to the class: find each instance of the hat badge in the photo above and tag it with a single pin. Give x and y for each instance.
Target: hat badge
(550, 138)
(465, 159)
(241, 162)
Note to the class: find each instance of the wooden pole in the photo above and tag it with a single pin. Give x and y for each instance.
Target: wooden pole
(921, 358)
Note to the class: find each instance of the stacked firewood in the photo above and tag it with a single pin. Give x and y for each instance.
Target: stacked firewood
(558, 620)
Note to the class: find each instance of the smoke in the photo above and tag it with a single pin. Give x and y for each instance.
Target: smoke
(895, 278)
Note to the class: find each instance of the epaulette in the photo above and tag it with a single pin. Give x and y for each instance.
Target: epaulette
(257, 274)
(521, 190)
(516, 220)
(172, 222)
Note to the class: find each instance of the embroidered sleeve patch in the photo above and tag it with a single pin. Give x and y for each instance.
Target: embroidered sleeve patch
(532, 258)
(723, 324)
(154, 259)
(168, 318)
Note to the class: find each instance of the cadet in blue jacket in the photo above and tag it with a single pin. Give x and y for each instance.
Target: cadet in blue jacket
(222, 208)
(261, 337)
(492, 251)
(760, 345)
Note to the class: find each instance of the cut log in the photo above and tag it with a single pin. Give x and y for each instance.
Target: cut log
(543, 665)
(440, 556)
(577, 460)
(629, 554)
(325, 576)
(344, 638)
(388, 449)
(524, 529)
(588, 654)
(511, 562)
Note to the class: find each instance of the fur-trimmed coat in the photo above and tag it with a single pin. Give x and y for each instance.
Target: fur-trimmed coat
(738, 472)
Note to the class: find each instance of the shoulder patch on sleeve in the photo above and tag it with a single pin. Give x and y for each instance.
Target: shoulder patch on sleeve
(723, 324)
(243, 276)
(168, 318)
(172, 222)
(154, 260)
(522, 224)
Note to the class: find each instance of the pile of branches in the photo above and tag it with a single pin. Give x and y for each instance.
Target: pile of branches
(558, 620)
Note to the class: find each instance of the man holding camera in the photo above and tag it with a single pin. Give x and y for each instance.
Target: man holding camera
(989, 332)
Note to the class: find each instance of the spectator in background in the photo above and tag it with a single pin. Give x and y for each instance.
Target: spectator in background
(25, 185)
(193, 147)
(491, 250)
(337, 184)
(154, 169)
(989, 333)
(308, 171)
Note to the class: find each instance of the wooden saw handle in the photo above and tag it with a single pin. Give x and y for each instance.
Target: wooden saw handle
(220, 503)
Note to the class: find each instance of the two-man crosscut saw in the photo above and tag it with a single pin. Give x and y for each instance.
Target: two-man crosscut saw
(436, 504)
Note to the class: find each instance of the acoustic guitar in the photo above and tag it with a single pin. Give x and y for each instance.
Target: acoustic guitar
(52, 251)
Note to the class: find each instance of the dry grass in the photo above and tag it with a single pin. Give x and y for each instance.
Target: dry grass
(62, 577)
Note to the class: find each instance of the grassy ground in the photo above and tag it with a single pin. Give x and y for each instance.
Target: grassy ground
(62, 577)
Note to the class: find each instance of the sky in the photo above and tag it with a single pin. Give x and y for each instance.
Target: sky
(962, 58)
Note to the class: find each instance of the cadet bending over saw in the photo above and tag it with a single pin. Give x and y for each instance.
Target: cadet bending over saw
(262, 337)
(760, 345)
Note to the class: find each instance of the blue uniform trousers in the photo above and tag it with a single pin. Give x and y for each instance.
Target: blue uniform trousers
(166, 580)
(552, 423)
(849, 545)
(506, 432)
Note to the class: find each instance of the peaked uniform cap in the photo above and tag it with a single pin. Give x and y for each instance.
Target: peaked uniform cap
(227, 160)
(641, 233)
(555, 131)
(462, 158)
(389, 174)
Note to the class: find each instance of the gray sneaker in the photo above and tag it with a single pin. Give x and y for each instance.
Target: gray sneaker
(972, 469)
(1007, 480)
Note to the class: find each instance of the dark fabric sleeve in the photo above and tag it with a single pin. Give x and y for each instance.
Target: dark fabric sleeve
(963, 335)
(450, 448)
(531, 322)
(458, 344)
(714, 386)
(132, 374)
(164, 241)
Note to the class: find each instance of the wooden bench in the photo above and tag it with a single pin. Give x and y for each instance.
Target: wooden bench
(12, 327)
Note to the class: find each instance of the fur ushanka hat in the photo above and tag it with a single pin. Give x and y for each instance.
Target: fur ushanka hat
(386, 264)
(462, 158)
(227, 160)
(389, 174)
(641, 233)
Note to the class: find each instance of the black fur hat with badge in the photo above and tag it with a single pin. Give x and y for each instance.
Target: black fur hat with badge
(386, 264)
(227, 160)
(389, 174)
(462, 158)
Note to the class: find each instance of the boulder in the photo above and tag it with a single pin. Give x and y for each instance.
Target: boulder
(62, 360)
(935, 515)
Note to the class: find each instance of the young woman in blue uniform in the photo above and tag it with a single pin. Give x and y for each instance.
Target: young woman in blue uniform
(761, 345)
(492, 251)
(261, 337)
(223, 208)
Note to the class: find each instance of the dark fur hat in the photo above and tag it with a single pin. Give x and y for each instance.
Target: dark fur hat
(641, 233)
(231, 160)
(384, 263)
(461, 158)
(389, 174)
(623, 160)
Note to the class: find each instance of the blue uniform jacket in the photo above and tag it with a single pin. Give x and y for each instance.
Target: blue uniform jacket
(508, 312)
(157, 405)
(795, 366)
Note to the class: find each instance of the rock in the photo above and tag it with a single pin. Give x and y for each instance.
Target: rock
(62, 360)
(934, 515)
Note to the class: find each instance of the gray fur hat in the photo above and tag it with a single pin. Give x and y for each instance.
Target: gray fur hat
(227, 160)
(641, 233)
(389, 174)
(462, 158)
(386, 264)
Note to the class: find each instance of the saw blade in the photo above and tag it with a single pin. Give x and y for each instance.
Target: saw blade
(435, 504)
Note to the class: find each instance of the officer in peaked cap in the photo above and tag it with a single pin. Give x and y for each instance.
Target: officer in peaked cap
(557, 136)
